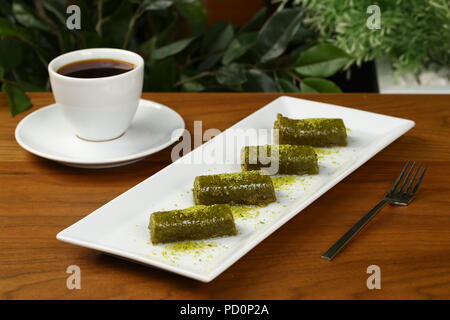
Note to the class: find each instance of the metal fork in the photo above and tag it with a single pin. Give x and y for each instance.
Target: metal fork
(402, 193)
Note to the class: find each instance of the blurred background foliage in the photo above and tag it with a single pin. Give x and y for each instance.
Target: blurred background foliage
(273, 51)
(415, 34)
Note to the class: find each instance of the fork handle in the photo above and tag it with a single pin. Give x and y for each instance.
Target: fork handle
(340, 244)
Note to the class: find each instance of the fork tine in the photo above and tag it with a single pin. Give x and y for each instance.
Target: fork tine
(419, 181)
(399, 178)
(408, 187)
(407, 177)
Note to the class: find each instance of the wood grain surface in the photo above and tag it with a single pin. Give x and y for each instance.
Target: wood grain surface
(411, 245)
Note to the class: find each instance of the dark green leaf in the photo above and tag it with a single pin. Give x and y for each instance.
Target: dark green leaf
(154, 4)
(2, 72)
(66, 41)
(171, 49)
(254, 22)
(28, 86)
(322, 60)
(58, 9)
(231, 75)
(215, 42)
(192, 86)
(239, 46)
(17, 99)
(223, 40)
(287, 86)
(162, 75)
(287, 61)
(211, 34)
(258, 81)
(313, 85)
(148, 47)
(5, 8)
(218, 37)
(195, 15)
(11, 53)
(116, 27)
(209, 62)
(26, 16)
(92, 39)
(277, 32)
(169, 29)
(11, 30)
(302, 34)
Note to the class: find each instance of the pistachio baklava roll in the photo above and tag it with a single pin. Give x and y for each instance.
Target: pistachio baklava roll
(290, 159)
(249, 187)
(317, 132)
(193, 223)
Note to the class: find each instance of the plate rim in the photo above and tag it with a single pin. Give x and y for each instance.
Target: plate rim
(234, 256)
(133, 156)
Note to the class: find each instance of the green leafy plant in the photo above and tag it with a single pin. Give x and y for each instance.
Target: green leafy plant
(414, 33)
(271, 53)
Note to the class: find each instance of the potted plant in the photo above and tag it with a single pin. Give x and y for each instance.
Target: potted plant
(411, 47)
(271, 52)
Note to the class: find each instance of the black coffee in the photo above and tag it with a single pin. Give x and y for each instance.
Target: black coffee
(95, 68)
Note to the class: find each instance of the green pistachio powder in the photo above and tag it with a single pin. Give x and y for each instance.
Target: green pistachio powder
(197, 248)
(192, 246)
(322, 153)
(283, 182)
(245, 212)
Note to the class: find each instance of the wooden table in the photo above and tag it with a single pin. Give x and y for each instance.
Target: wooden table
(411, 245)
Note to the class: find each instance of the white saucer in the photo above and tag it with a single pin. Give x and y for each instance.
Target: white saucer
(46, 133)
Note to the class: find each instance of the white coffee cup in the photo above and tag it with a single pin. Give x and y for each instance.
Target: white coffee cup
(98, 109)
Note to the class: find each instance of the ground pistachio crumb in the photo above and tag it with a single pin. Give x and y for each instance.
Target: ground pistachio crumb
(322, 153)
(283, 182)
(196, 249)
(183, 246)
(244, 212)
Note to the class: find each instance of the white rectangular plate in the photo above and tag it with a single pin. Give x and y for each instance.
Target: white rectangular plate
(120, 226)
